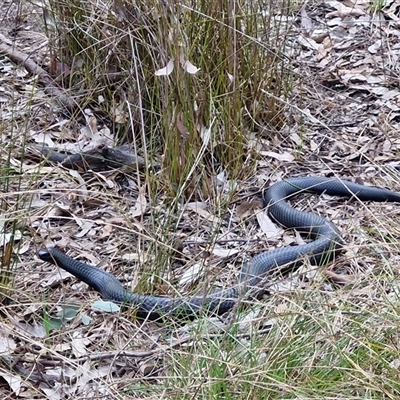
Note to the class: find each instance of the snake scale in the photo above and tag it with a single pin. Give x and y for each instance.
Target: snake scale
(326, 243)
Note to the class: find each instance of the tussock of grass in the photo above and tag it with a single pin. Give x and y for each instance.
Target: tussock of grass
(238, 48)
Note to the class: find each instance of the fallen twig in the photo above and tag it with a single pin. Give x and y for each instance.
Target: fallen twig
(101, 158)
(50, 86)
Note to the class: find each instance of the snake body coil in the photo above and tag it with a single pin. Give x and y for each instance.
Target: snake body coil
(327, 241)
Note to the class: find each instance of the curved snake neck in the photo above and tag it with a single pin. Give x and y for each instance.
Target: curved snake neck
(327, 242)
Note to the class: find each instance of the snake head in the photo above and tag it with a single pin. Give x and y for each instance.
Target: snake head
(45, 255)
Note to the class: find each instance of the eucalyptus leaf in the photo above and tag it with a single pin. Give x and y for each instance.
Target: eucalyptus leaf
(107, 306)
(86, 320)
(68, 312)
(54, 324)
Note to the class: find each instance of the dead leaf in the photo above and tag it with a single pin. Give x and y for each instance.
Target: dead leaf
(189, 67)
(166, 70)
(181, 126)
(223, 251)
(267, 226)
(306, 21)
(42, 138)
(342, 279)
(192, 274)
(205, 134)
(14, 382)
(7, 344)
(279, 156)
(78, 345)
(140, 205)
(201, 209)
(245, 209)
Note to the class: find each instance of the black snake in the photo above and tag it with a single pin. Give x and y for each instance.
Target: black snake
(327, 241)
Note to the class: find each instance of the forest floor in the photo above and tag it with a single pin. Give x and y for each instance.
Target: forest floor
(321, 333)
